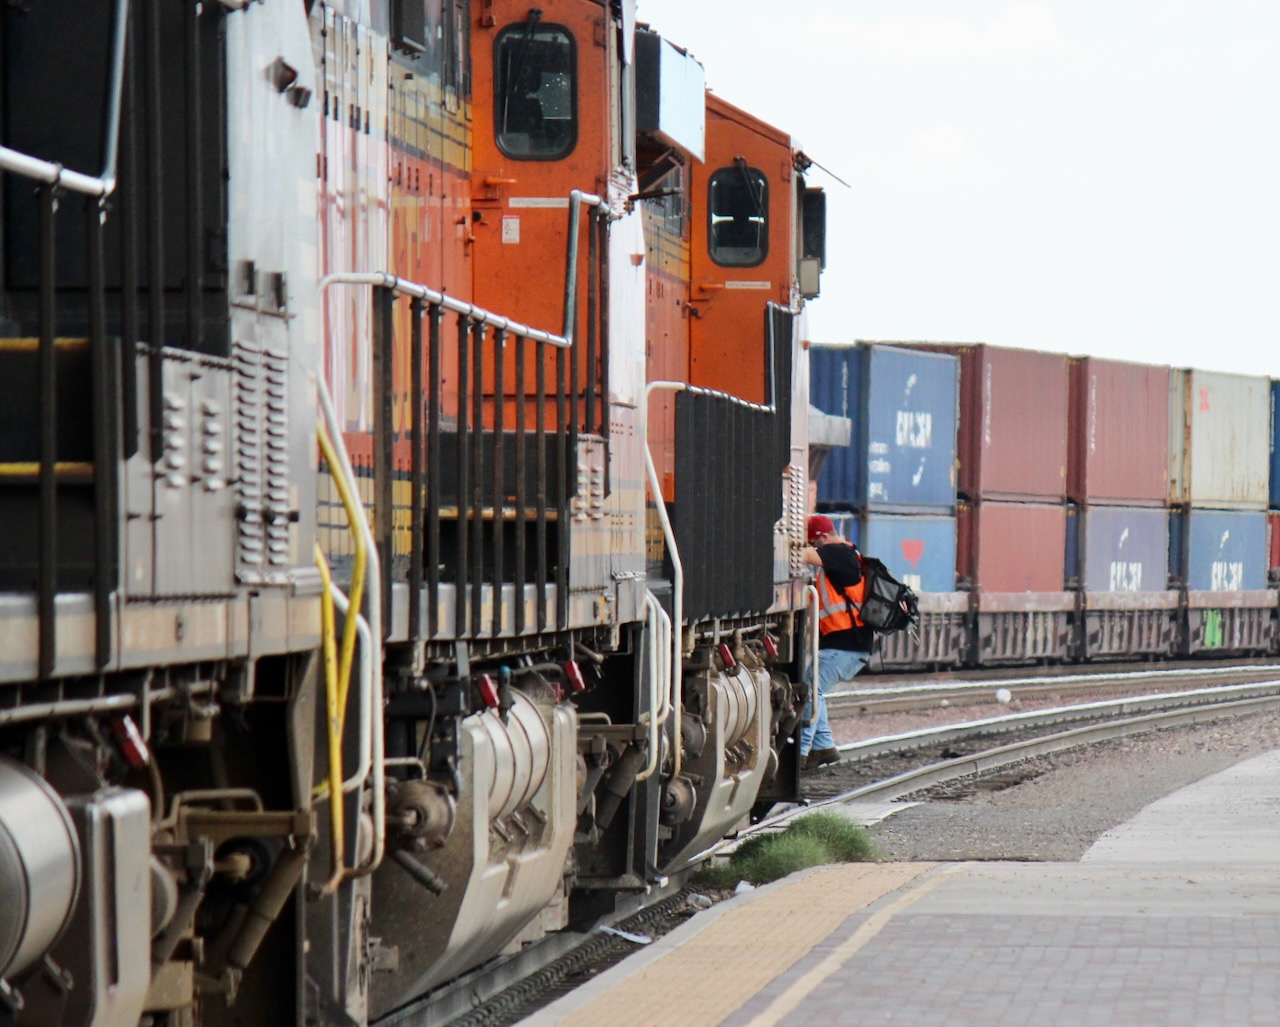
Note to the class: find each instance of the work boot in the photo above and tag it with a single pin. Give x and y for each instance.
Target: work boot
(820, 758)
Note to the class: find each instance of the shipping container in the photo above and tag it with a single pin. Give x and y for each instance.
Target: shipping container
(1219, 550)
(1125, 549)
(1275, 449)
(1273, 548)
(1011, 547)
(1012, 438)
(1118, 441)
(903, 407)
(1219, 440)
(918, 550)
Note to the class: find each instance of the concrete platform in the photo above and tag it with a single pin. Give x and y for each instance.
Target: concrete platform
(1172, 918)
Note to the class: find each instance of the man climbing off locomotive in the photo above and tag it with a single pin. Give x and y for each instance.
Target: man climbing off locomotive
(846, 643)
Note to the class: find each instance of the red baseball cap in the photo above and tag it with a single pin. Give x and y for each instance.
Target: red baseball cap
(819, 524)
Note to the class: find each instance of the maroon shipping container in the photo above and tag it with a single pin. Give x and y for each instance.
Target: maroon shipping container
(1012, 436)
(1119, 438)
(1011, 547)
(1273, 548)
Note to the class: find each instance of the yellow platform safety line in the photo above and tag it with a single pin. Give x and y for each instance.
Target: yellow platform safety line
(781, 1008)
(332, 720)
(716, 976)
(27, 344)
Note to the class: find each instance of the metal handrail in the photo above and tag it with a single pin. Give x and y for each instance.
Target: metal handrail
(103, 184)
(337, 828)
(373, 597)
(659, 628)
(577, 200)
(677, 567)
(469, 310)
(812, 605)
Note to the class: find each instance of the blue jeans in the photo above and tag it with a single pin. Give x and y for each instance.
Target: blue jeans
(834, 665)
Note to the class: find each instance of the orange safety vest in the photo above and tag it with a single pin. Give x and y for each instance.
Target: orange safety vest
(837, 610)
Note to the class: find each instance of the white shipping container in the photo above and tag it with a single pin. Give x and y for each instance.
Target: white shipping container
(1219, 440)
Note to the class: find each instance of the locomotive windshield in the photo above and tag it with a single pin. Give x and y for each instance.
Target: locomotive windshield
(535, 95)
(738, 208)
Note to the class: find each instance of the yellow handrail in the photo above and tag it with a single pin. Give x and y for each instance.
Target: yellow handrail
(357, 577)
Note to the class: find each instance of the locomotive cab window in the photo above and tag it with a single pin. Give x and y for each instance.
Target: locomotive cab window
(738, 212)
(535, 91)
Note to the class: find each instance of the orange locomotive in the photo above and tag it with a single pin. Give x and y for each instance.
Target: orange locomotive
(524, 637)
(597, 215)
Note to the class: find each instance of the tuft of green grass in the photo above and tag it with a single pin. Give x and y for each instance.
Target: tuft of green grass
(788, 853)
(848, 842)
(808, 841)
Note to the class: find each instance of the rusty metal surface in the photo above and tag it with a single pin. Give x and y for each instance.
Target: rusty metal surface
(1024, 602)
(1273, 544)
(944, 602)
(1019, 637)
(1230, 629)
(940, 639)
(1205, 600)
(1011, 547)
(1121, 633)
(1119, 448)
(1012, 441)
(1122, 601)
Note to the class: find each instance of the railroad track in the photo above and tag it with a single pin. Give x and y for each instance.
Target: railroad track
(875, 769)
(892, 695)
(931, 756)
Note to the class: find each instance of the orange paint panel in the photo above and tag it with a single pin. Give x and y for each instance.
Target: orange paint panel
(520, 231)
(728, 342)
(667, 359)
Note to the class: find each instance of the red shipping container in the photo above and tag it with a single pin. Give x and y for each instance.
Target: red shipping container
(1011, 547)
(1273, 547)
(1119, 437)
(1012, 436)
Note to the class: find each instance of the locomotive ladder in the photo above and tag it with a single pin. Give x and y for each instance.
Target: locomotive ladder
(49, 368)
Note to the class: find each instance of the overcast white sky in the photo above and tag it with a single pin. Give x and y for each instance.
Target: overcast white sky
(1092, 176)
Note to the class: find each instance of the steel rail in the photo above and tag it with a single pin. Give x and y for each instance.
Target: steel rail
(866, 748)
(946, 689)
(976, 764)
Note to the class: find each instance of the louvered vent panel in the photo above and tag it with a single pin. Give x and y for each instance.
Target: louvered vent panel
(251, 544)
(276, 371)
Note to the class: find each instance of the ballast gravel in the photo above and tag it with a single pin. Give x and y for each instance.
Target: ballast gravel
(1055, 807)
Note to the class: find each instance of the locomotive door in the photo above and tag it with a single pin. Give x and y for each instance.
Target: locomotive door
(544, 107)
(741, 255)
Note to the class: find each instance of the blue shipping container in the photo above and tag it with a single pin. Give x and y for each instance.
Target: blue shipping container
(918, 550)
(1221, 550)
(1126, 549)
(903, 407)
(1275, 449)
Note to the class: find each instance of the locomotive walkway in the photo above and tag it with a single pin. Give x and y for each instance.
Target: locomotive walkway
(1172, 918)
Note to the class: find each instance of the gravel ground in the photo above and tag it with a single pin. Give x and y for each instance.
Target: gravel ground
(1054, 808)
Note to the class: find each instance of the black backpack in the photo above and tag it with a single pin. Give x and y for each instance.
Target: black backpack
(887, 604)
